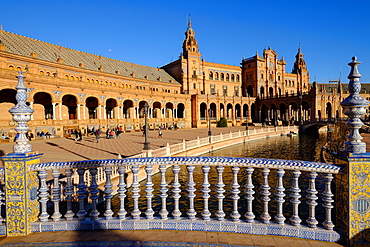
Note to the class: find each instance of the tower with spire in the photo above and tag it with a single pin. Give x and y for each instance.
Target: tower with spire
(301, 72)
(190, 44)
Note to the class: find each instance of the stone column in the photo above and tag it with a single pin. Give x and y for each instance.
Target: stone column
(118, 112)
(60, 111)
(22, 206)
(54, 112)
(78, 112)
(84, 111)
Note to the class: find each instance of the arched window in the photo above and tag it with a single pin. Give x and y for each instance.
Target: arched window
(232, 77)
(222, 76)
(216, 75)
(227, 77)
(11, 67)
(211, 75)
(237, 78)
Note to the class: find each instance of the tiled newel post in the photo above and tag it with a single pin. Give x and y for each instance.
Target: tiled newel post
(353, 185)
(21, 185)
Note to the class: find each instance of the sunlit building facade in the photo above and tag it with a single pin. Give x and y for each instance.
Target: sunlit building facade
(70, 89)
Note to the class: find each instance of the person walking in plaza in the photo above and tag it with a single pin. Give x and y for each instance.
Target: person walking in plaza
(79, 135)
(75, 132)
(111, 134)
(97, 135)
(160, 133)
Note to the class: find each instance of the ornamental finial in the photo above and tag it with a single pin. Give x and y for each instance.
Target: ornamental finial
(21, 115)
(354, 106)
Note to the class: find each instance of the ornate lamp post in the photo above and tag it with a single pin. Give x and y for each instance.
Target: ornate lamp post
(209, 124)
(146, 127)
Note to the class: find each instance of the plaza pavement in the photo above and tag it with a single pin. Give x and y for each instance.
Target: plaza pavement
(129, 143)
(63, 149)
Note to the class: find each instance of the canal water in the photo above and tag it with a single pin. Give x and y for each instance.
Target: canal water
(300, 147)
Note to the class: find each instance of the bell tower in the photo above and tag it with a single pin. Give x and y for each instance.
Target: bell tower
(190, 44)
(300, 69)
(191, 63)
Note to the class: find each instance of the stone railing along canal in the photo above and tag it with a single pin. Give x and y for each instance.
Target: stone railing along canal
(160, 205)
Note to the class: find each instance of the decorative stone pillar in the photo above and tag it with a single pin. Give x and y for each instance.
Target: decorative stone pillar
(60, 111)
(54, 112)
(353, 184)
(21, 184)
(78, 111)
(99, 111)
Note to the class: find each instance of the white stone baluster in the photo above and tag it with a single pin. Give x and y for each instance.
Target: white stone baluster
(43, 194)
(328, 195)
(279, 217)
(135, 192)
(191, 189)
(69, 194)
(81, 214)
(122, 192)
(163, 213)
(55, 195)
(108, 194)
(235, 216)
(265, 192)
(94, 194)
(149, 192)
(206, 213)
(220, 214)
(295, 220)
(249, 215)
(311, 196)
(176, 192)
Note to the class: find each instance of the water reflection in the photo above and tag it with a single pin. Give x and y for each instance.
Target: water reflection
(304, 147)
(300, 147)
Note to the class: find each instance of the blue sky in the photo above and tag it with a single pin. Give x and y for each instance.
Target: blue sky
(151, 32)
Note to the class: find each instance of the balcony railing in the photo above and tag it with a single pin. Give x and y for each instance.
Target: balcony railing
(226, 194)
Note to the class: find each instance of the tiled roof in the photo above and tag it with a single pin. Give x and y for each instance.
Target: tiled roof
(24, 46)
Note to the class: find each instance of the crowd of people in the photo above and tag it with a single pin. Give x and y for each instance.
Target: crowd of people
(110, 133)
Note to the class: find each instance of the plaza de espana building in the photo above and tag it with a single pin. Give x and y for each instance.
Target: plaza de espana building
(70, 89)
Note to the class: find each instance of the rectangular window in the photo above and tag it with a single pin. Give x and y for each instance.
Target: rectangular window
(213, 89)
(194, 74)
(236, 91)
(194, 86)
(224, 90)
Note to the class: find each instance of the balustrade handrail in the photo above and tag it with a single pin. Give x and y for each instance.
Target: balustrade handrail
(212, 193)
(222, 137)
(208, 161)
